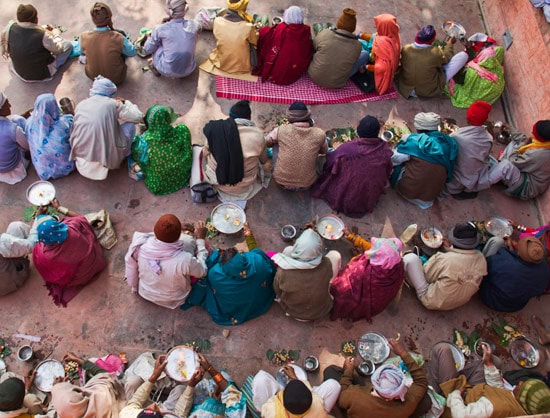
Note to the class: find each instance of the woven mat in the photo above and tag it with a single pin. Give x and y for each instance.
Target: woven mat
(303, 90)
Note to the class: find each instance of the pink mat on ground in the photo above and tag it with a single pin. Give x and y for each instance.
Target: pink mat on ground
(303, 90)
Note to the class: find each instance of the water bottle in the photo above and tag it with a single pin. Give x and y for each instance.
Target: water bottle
(408, 233)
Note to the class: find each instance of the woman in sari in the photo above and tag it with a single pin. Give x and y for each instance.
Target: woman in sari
(164, 151)
(238, 287)
(285, 49)
(369, 282)
(48, 133)
(67, 255)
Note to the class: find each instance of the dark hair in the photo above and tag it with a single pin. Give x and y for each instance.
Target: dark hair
(228, 254)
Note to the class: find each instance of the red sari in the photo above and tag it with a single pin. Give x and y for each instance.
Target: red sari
(67, 267)
(284, 52)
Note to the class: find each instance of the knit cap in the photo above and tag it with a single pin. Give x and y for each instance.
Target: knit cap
(368, 127)
(12, 393)
(347, 20)
(241, 110)
(464, 236)
(426, 35)
(427, 121)
(26, 13)
(478, 112)
(298, 112)
(168, 228)
(541, 130)
(534, 397)
(530, 249)
(297, 398)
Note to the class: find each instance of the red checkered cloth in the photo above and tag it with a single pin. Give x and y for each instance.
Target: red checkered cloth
(303, 90)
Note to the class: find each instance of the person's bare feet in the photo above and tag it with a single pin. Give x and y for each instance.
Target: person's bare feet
(544, 336)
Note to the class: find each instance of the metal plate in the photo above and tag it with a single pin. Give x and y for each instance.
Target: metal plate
(182, 362)
(228, 218)
(454, 29)
(330, 227)
(458, 355)
(524, 353)
(374, 347)
(432, 237)
(46, 373)
(499, 227)
(283, 379)
(41, 193)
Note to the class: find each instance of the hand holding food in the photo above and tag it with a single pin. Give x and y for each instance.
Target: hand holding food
(200, 230)
(160, 365)
(290, 372)
(196, 377)
(70, 356)
(398, 347)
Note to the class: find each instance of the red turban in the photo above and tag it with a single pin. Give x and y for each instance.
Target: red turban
(478, 112)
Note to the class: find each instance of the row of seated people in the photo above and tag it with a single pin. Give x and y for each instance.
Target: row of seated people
(281, 53)
(399, 391)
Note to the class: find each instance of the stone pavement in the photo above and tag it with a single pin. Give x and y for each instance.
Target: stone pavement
(106, 317)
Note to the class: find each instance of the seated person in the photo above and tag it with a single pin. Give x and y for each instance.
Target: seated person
(232, 156)
(337, 53)
(424, 161)
(451, 277)
(540, 328)
(36, 53)
(483, 75)
(471, 169)
(16, 400)
(101, 139)
(238, 286)
(160, 265)
(163, 151)
(523, 167)
(386, 395)
(67, 255)
(104, 47)
(297, 398)
(235, 36)
(514, 276)
(13, 144)
(48, 134)
(369, 282)
(285, 49)
(299, 147)
(478, 389)
(426, 68)
(303, 277)
(356, 173)
(173, 43)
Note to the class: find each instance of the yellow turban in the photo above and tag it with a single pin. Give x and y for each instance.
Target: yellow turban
(240, 8)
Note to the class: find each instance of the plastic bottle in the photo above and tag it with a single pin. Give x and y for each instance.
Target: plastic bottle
(408, 233)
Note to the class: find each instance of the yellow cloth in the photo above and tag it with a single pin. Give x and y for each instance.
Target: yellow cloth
(240, 8)
(535, 143)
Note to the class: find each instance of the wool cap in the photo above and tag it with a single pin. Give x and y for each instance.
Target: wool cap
(541, 130)
(478, 112)
(347, 20)
(3, 100)
(427, 121)
(12, 393)
(464, 236)
(241, 110)
(531, 250)
(298, 112)
(426, 35)
(534, 397)
(368, 127)
(26, 13)
(168, 228)
(297, 398)
(101, 15)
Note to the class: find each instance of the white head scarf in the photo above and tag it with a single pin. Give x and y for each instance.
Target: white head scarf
(176, 9)
(389, 382)
(428, 121)
(103, 87)
(3, 99)
(306, 253)
(293, 15)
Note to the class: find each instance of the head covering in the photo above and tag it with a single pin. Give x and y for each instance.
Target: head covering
(44, 115)
(176, 9)
(293, 15)
(426, 35)
(297, 397)
(530, 249)
(3, 100)
(159, 115)
(464, 236)
(52, 232)
(478, 112)
(147, 413)
(239, 7)
(428, 121)
(168, 228)
(541, 130)
(241, 109)
(385, 252)
(12, 393)
(103, 87)
(386, 25)
(347, 20)
(306, 253)
(27, 13)
(389, 382)
(298, 112)
(534, 397)
(368, 127)
(101, 15)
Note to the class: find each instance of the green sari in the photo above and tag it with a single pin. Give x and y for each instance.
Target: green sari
(163, 152)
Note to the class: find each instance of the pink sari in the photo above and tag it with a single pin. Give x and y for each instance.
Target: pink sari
(67, 267)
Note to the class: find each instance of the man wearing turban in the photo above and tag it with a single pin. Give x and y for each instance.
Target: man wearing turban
(36, 53)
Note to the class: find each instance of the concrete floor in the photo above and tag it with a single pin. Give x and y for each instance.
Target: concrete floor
(106, 317)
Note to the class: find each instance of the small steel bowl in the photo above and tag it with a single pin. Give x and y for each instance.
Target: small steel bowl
(387, 135)
(276, 20)
(311, 364)
(25, 353)
(288, 232)
(365, 368)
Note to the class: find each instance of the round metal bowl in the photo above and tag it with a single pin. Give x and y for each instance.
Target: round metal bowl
(182, 362)
(458, 355)
(46, 373)
(283, 379)
(477, 346)
(524, 353)
(331, 227)
(25, 353)
(499, 227)
(288, 232)
(365, 368)
(432, 237)
(374, 347)
(228, 218)
(41, 193)
(311, 363)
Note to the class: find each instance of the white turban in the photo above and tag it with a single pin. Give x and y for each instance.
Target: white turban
(293, 15)
(306, 253)
(427, 121)
(3, 99)
(103, 87)
(176, 9)
(389, 382)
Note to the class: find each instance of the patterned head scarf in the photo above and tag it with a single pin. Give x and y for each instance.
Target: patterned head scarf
(176, 9)
(239, 7)
(385, 252)
(103, 87)
(293, 15)
(101, 15)
(306, 253)
(44, 115)
(52, 232)
(534, 397)
(389, 382)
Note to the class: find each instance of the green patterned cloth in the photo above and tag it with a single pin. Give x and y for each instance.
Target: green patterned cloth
(166, 162)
